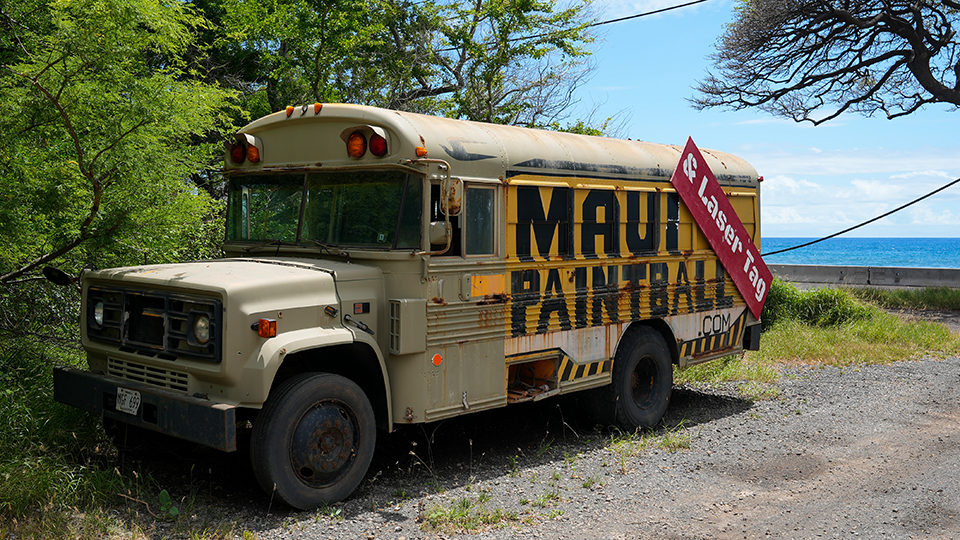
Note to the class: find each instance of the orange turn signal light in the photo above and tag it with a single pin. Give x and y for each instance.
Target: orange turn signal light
(266, 328)
(253, 154)
(421, 151)
(356, 145)
(289, 110)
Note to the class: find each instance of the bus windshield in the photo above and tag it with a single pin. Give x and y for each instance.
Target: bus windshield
(370, 209)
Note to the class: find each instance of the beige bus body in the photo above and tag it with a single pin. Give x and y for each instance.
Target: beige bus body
(453, 267)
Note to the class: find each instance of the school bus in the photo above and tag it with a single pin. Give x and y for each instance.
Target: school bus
(386, 268)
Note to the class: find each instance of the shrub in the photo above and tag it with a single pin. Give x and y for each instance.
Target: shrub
(817, 307)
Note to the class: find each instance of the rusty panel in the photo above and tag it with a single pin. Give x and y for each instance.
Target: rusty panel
(583, 345)
(691, 326)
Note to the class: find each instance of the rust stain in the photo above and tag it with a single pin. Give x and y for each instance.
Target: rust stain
(438, 300)
(489, 299)
(453, 203)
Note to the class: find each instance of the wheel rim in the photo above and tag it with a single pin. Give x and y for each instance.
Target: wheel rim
(324, 443)
(643, 382)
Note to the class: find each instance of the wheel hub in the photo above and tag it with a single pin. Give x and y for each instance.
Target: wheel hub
(642, 382)
(324, 444)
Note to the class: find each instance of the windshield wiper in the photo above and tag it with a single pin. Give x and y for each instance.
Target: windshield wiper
(331, 248)
(277, 243)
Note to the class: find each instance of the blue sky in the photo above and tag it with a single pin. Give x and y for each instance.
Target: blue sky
(818, 180)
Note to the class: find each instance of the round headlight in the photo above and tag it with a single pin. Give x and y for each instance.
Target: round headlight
(98, 313)
(201, 329)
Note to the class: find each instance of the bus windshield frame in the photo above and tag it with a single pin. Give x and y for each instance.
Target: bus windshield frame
(366, 209)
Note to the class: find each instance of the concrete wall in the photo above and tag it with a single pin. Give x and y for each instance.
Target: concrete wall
(864, 276)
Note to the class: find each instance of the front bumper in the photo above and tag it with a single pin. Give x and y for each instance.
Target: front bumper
(185, 417)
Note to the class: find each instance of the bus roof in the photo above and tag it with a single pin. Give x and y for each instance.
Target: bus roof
(312, 136)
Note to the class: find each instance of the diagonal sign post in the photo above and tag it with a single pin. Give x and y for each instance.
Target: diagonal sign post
(703, 196)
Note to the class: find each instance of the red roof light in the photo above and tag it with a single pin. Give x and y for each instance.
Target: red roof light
(378, 145)
(238, 153)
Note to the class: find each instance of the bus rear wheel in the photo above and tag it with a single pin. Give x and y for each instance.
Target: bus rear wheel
(313, 440)
(642, 380)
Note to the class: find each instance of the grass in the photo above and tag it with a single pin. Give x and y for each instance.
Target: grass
(60, 477)
(466, 514)
(828, 327)
(925, 298)
(52, 457)
(625, 446)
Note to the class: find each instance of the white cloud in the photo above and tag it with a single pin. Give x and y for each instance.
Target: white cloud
(840, 217)
(876, 190)
(812, 161)
(915, 174)
(925, 216)
(774, 215)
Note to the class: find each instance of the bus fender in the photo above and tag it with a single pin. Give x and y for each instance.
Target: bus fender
(288, 344)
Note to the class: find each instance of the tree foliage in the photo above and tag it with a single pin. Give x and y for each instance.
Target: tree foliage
(503, 61)
(99, 119)
(113, 112)
(812, 60)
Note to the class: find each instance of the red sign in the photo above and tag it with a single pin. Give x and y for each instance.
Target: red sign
(704, 197)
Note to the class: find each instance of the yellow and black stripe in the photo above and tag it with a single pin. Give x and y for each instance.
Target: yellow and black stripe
(715, 342)
(570, 371)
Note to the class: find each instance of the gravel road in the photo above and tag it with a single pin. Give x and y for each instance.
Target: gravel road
(868, 452)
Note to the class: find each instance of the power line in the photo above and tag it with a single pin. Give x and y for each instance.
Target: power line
(638, 15)
(601, 23)
(934, 192)
(611, 21)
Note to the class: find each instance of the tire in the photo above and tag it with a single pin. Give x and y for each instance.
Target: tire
(642, 380)
(313, 440)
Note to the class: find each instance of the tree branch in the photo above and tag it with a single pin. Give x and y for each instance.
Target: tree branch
(796, 58)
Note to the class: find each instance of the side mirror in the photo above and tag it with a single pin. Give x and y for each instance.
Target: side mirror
(57, 276)
(438, 232)
(452, 200)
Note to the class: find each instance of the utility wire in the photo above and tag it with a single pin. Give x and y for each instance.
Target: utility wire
(611, 21)
(934, 192)
(600, 23)
(638, 15)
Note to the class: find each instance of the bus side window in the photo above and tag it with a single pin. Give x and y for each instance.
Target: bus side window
(479, 214)
(436, 214)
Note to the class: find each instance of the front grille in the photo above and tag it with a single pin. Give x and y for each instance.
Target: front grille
(154, 324)
(154, 376)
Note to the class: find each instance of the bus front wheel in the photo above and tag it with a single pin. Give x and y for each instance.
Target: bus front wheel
(313, 440)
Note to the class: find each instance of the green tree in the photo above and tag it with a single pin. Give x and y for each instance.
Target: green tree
(812, 60)
(100, 123)
(503, 61)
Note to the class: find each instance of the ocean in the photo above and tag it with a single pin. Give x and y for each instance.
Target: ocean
(840, 251)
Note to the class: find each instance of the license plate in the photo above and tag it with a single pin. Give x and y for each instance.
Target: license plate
(128, 401)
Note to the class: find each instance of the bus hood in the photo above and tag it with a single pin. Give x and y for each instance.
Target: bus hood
(241, 274)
